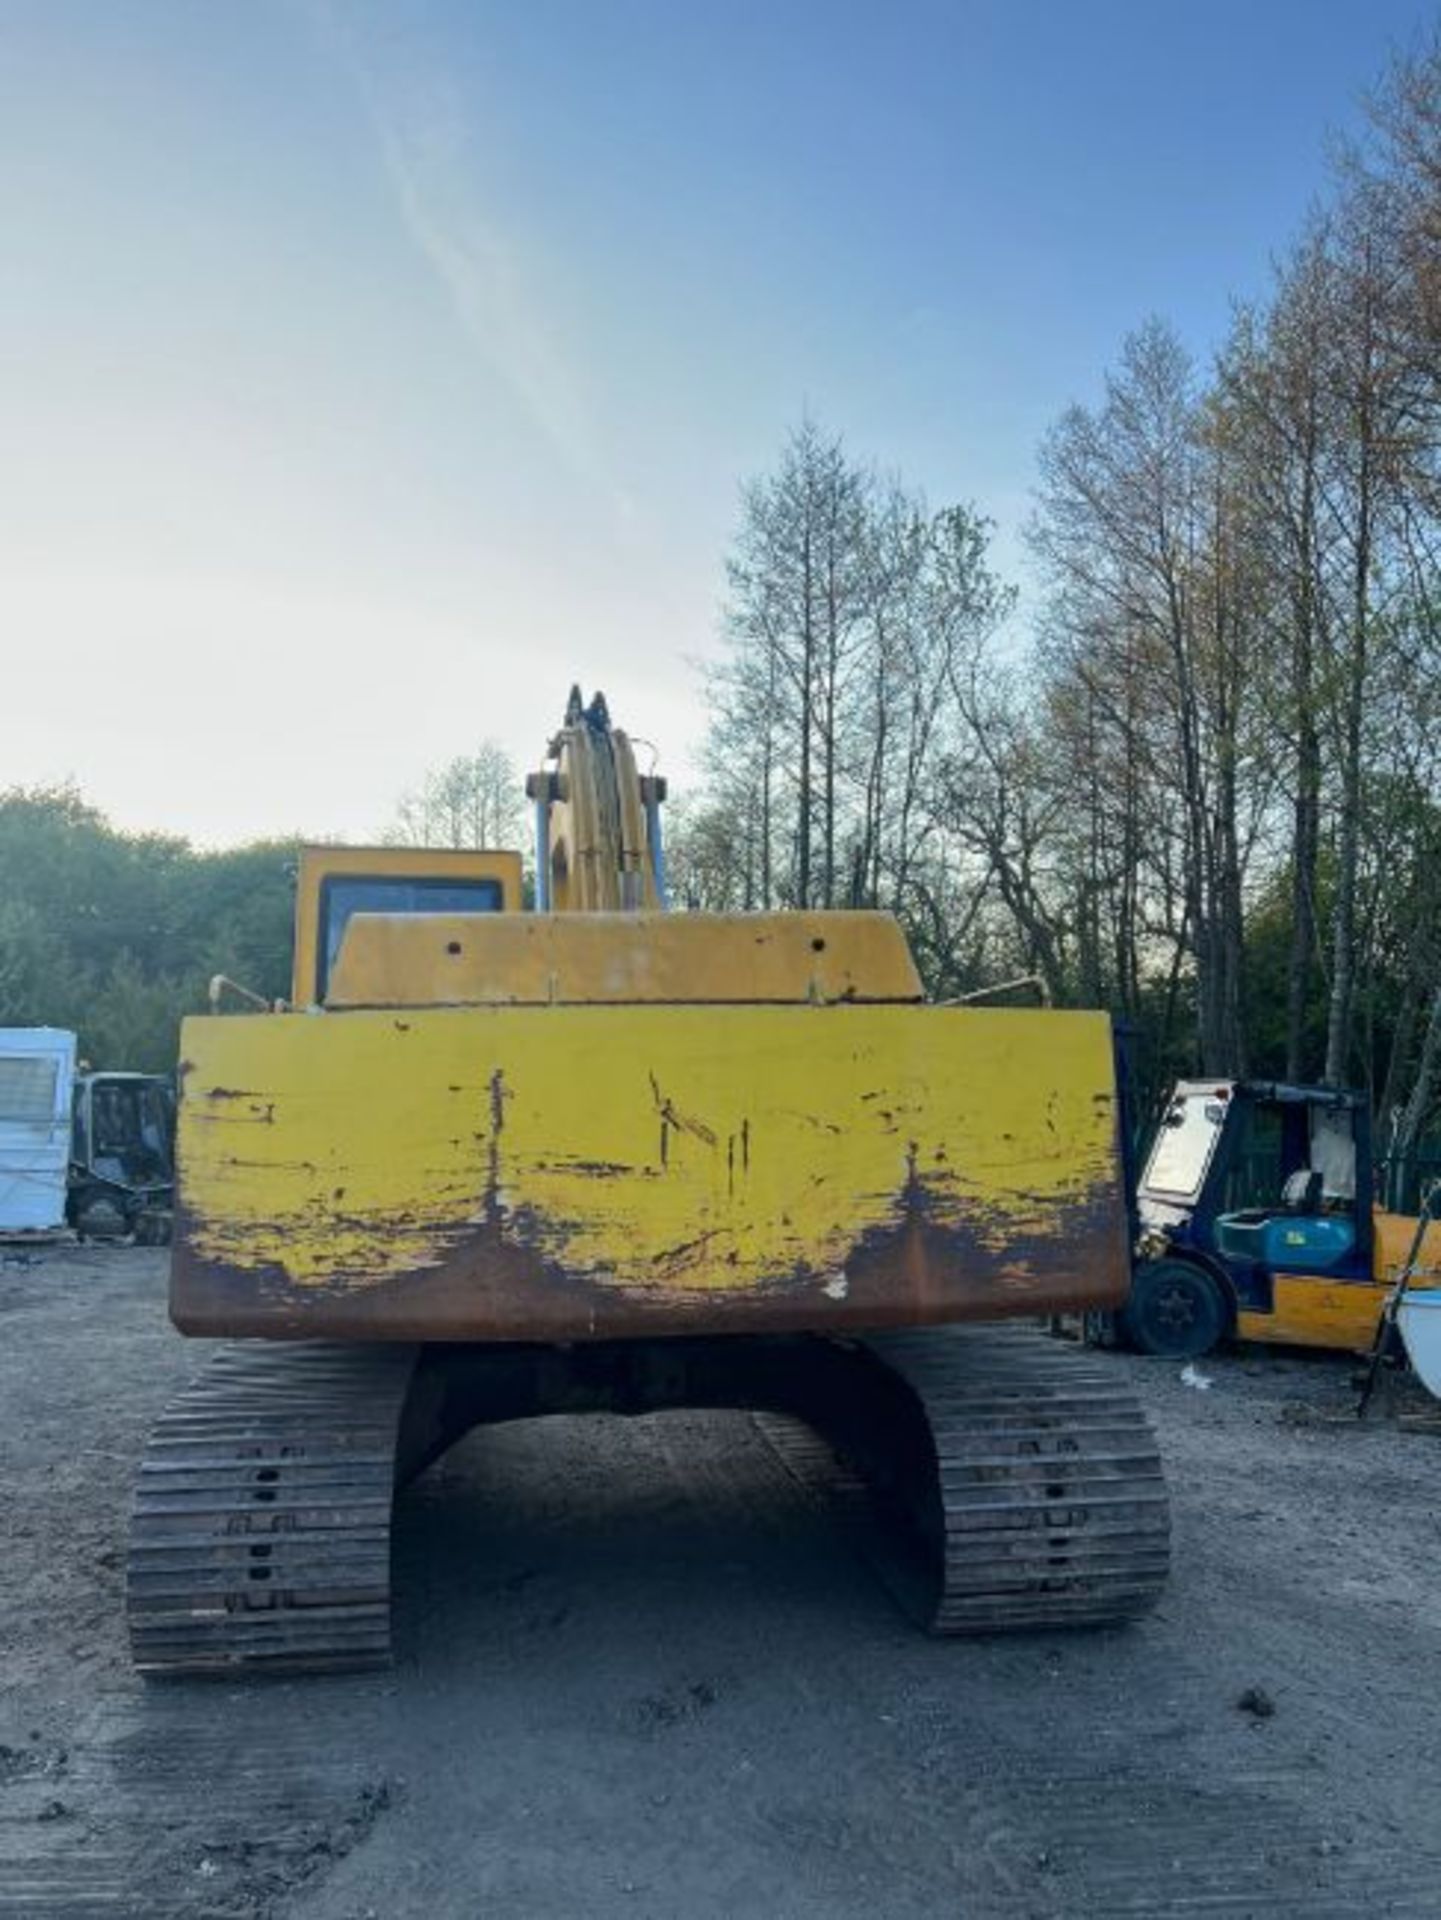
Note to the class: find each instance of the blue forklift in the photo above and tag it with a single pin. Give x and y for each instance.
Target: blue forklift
(1252, 1217)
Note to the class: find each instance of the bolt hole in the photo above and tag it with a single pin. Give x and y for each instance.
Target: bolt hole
(268, 1473)
(261, 1552)
(818, 945)
(452, 946)
(260, 1573)
(264, 1493)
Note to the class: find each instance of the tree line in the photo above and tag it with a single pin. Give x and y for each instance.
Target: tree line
(1205, 793)
(117, 935)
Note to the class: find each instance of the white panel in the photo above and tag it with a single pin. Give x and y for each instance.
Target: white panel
(1333, 1152)
(37, 1067)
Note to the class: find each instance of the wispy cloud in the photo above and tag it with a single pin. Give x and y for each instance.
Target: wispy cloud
(423, 124)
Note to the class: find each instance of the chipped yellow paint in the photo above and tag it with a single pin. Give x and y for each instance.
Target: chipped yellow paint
(648, 1147)
(593, 959)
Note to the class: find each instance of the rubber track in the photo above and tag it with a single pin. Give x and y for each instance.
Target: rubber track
(1047, 1506)
(260, 1532)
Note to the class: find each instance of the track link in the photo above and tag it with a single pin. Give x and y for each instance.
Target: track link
(260, 1532)
(1039, 1501)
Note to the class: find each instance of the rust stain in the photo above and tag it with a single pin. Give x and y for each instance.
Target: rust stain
(499, 1280)
(300, 1166)
(595, 1169)
(679, 1254)
(491, 1198)
(261, 1114)
(1078, 1259)
(671, 1116)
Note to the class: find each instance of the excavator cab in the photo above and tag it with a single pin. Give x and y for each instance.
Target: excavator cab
(334, 885)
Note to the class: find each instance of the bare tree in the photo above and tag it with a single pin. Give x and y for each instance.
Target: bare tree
(1134, 531)
(848, 602)
(473, 800)
(796, 595)
(1273, 377)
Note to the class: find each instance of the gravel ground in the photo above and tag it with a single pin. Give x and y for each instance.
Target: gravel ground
(644, 1671)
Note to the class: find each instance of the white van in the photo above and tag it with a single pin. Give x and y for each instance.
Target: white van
(37, 1080)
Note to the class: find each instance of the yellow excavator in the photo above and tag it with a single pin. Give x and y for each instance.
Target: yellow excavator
(491, 1163)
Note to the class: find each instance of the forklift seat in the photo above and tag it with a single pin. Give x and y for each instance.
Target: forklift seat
(1294, 1237)
(1302, 1191)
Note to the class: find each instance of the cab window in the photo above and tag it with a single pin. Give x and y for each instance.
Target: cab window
(1256, 1169)
(341, 895)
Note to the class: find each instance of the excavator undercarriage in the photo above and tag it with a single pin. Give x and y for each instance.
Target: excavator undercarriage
(600, 1158)
(1018, 1481)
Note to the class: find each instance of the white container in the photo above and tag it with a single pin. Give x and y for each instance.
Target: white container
(1419, 1318)
(37, 1080)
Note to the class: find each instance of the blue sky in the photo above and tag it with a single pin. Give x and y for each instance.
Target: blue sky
(371, 371)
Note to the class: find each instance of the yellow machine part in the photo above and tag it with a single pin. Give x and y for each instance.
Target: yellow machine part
(543, 959)
(1395, 1233)
(1316, 1310)
(600, 859)
(569, 1171)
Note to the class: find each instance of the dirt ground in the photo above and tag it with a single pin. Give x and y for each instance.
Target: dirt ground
(645, 1671)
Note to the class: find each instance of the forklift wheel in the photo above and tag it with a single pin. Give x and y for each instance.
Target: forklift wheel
(1176, 1310)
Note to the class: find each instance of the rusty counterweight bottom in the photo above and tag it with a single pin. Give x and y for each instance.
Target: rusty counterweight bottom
(1023, 1475)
